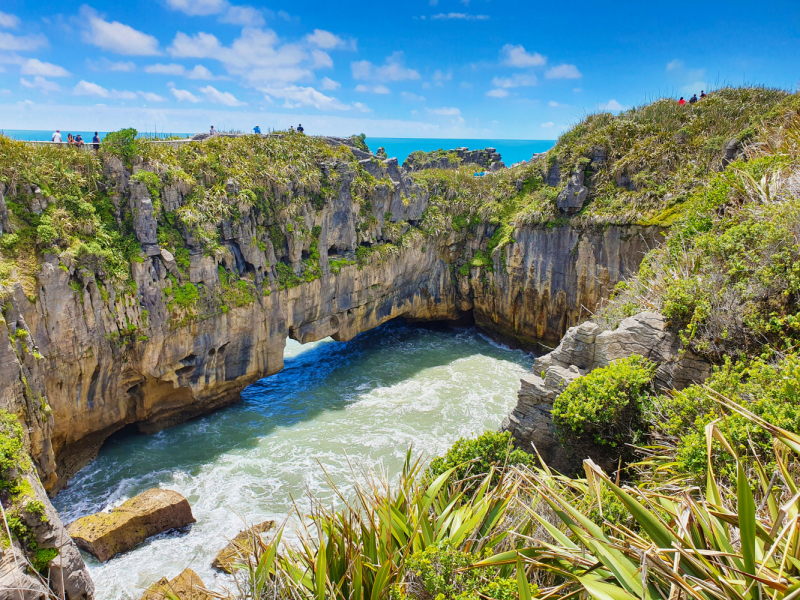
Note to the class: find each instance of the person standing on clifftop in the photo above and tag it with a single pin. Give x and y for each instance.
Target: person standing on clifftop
(681, 102)
(257, 130)
(300, 128)
(693, 99)
(57, 137)
(702, 95)
(96, 142)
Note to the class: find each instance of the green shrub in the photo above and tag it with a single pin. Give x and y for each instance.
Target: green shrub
(186, 295)
(478, 456)
(8, 241)
(359, 141)
(42, 558)
(441, 572)
(121, 144)
(606, 403)
(770, 390)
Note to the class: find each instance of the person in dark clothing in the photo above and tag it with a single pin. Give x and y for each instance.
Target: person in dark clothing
(96, 142)
(300, 128)
(702, 94)
(693, 99)
(79, 143)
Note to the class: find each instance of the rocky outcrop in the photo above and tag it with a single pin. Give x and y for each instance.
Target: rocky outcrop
(186, 586)
(240, 548)
(550, 279)
(570, 200)
(487, 158)
(105, 535)
(584, 348)
(63, 566)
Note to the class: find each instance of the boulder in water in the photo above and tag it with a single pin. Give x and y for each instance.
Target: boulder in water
(242, 546)
(186, 586)
(105, 535)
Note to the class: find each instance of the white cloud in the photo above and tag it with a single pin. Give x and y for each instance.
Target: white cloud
(295, 96)
(444, 111)
(115, 36)
(459, 16)
(322, 60)
(548, 125)
(498, 93)
(517, 56)
(329, 84)
(675, 64)
(104, 64)
(361, 107)
(256, 56)
(563, 72)
(161, 69)
(325, 40)
(554, 104)
(198, 8)
(8, 20)
(151, 97)
(611, 105)
(199, 72)
(516, 80)
(213, 95)
(439, 77)
(393, 69)
(246, 16)
(40, 83)
(412, 97)
(21, 43)
(87, 88)
(374, 89)
(184, 95)
(33, 66)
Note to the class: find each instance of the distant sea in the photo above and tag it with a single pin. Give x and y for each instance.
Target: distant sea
(512, 151)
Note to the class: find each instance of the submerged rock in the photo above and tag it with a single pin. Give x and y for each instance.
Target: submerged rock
(240, 547)
(186, 586)
(105, 535)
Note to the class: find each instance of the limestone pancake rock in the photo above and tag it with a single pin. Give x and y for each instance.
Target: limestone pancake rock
(105, 535)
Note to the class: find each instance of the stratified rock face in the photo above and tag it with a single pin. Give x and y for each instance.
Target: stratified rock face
(186, 586)
(240, 548)
(105, 535)
(487, 158)
(552, 278)
(15, 581)
(583, 349)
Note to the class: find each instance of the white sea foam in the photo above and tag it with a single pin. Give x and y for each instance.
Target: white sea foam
(362, 402)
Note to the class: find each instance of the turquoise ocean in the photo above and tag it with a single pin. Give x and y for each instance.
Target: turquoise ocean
(512, 151)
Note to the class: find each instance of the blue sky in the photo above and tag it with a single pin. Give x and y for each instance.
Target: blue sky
(430, 68)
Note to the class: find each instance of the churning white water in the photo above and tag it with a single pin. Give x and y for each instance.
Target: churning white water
(365, 401)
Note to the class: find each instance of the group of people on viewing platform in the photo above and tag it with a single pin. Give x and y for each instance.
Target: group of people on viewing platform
(75, 141)
(693, 99)
(257, 129)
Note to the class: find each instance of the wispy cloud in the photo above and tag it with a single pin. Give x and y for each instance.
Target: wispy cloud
(497, 93)
(87, 88)
(215, 96)
(22, 43)
(41, 84)
(516, 80)
(517, 56)
(114, 36)
(563, 72)
(184, 96)
(374, 89)
(8, 21)
(444, 111)
(33, 66)
(548, 125)
(393, 69)
(459, 17)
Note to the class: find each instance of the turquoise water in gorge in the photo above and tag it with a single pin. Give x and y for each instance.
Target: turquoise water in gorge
(365, 401)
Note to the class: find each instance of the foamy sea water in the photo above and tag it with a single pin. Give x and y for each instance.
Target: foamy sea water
(363, 403)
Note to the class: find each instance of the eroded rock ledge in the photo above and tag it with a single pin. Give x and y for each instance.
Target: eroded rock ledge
(583, 349)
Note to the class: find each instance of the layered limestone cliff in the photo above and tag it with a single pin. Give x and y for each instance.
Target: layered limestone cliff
(83, 359)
